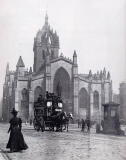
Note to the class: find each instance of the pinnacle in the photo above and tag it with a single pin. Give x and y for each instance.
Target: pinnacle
(75, 54)
(20, 62)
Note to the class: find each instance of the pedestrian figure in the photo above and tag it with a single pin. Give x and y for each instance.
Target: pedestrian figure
(79, 123)
(16, 140)
(102, 124)
(30, 121)
(88, 125)
(83, 124)
(98, 128)
(25, 122)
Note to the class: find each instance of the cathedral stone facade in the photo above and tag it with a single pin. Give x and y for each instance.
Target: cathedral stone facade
(82, 94)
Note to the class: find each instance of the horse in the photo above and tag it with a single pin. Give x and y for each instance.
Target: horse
(59, 120)
(56, 119)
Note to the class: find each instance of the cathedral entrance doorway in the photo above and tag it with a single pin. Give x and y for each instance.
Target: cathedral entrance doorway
(61, 87)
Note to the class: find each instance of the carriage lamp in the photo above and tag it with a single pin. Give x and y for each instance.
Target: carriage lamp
(60, 105)
(49, 104)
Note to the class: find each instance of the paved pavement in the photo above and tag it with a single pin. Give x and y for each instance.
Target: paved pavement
(2, 156)
(74, 145)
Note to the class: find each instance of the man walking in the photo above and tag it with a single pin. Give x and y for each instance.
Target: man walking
(88, 125)
(83, 124)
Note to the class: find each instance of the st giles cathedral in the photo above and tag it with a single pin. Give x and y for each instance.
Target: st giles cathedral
(82, 94)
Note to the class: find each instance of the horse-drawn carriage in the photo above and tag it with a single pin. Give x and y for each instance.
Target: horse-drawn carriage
(48, 113)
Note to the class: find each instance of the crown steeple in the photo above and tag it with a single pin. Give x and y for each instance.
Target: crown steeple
(45, 38)
(46, 19)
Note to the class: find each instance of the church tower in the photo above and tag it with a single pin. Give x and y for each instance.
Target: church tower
(45, 40)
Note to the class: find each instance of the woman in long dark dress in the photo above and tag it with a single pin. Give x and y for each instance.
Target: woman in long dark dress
(16, 140)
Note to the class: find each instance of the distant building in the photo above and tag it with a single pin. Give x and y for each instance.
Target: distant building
(8, 101)
(82, 94)
(123, 101)
(116, 98)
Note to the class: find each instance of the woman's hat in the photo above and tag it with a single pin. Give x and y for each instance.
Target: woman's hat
(14, 111)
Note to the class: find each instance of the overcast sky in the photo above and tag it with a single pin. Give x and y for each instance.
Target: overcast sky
(94, 28)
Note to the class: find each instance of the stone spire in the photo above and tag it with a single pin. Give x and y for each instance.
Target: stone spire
(46, 19)
(75, 54)
(101, 75)
(7, 69)
(90, 73)
(108, 76)
(75, 58)
(20, 62)
(75, 66)
(30, 70)
(104, 73)
(20, 67)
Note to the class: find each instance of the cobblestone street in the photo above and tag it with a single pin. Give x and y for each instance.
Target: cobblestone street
(73, 145)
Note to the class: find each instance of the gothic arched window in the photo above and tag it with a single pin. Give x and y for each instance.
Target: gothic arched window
(25, 94)
(83, 98)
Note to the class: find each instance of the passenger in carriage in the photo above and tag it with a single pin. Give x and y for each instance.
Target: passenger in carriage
(47, 94)
(40, 98)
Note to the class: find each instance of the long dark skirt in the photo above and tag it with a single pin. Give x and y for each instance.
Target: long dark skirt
(16, 141)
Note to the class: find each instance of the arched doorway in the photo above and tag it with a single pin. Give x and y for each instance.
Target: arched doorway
(83, 102)
(62, 87)
(38, 91)
(25, 105)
